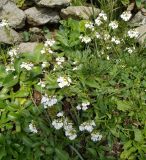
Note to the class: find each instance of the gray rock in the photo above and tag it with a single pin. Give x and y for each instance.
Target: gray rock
(53, 3)
(142, 32)
(138, 20)
(27, 47)
(9, 36)
(3, 2)
(14, 15)
(41, 16)
(79, 12)
(35, 30)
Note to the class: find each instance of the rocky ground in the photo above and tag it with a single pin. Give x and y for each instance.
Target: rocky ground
(41, 13)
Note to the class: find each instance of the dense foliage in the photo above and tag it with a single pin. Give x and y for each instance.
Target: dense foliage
(81, 96)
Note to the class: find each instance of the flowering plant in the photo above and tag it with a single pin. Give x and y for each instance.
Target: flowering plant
(81, 96)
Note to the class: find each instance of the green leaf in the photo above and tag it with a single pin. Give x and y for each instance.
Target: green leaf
(10, 80)
(2, 153)
(138, 3)
(123, 105)
(62, 155)
(138, 135)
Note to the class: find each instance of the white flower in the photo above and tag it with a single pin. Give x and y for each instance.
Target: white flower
(75, 68)
(115, 40)
(130, 50)
(10, 68)
(43, 51)
(63, 81)
(44, 64)
(98, 21)
(67, 125)
(49, 42)
(85, 39)
(132, 33)
(103, 15)
(113, 24)
(85, 105)
(95, 136)
(60, 114)
(126, 15)
(108, 58)
(88, 126)
(98, 36)
(32, 128)
(50, 51)
(106, 36)
(79, 107)
(4, 23)
(48, 101)
(57, 123)
(60, 60)
(71, 134)
(27, 66)
(42, 84)
(89, 25)
(13, 52)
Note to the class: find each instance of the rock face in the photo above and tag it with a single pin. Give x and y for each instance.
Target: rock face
(14, 15)
(27, 47)
(142, 32)
(3, 2)
(41, 16)
(53, 3)
(9, 36)
(138, 19)
(78, 12)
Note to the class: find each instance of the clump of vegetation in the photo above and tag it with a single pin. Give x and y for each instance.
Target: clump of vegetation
(80, 96)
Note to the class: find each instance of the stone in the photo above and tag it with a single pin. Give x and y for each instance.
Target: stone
(40, 16)
(35, 30)
(9, 36)
(142, 32)
(27, 47)
(138, 20)
(3, 2)
(53, 3)
(79, 12)
(14, 15)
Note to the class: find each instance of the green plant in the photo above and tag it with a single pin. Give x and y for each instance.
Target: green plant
(81, 96)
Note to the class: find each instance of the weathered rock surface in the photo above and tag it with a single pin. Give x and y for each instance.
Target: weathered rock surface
(53, 3)
(9, 36)
(41, 16)
(3, 2)
(79, 12)
(142, 32)
(27, 47)
(14, 15)
(138, 19)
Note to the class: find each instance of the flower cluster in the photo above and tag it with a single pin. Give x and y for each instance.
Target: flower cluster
(13, 53)
(33, 128)
(85, 39)
(83, 106)
(113, 24)
(48, 101)
(47, 46)
(27, 66)
(132, 33)
(87, 126)
(126, 15)
(64, 81)
(66, 124)
(95, 136)
(41, 83)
